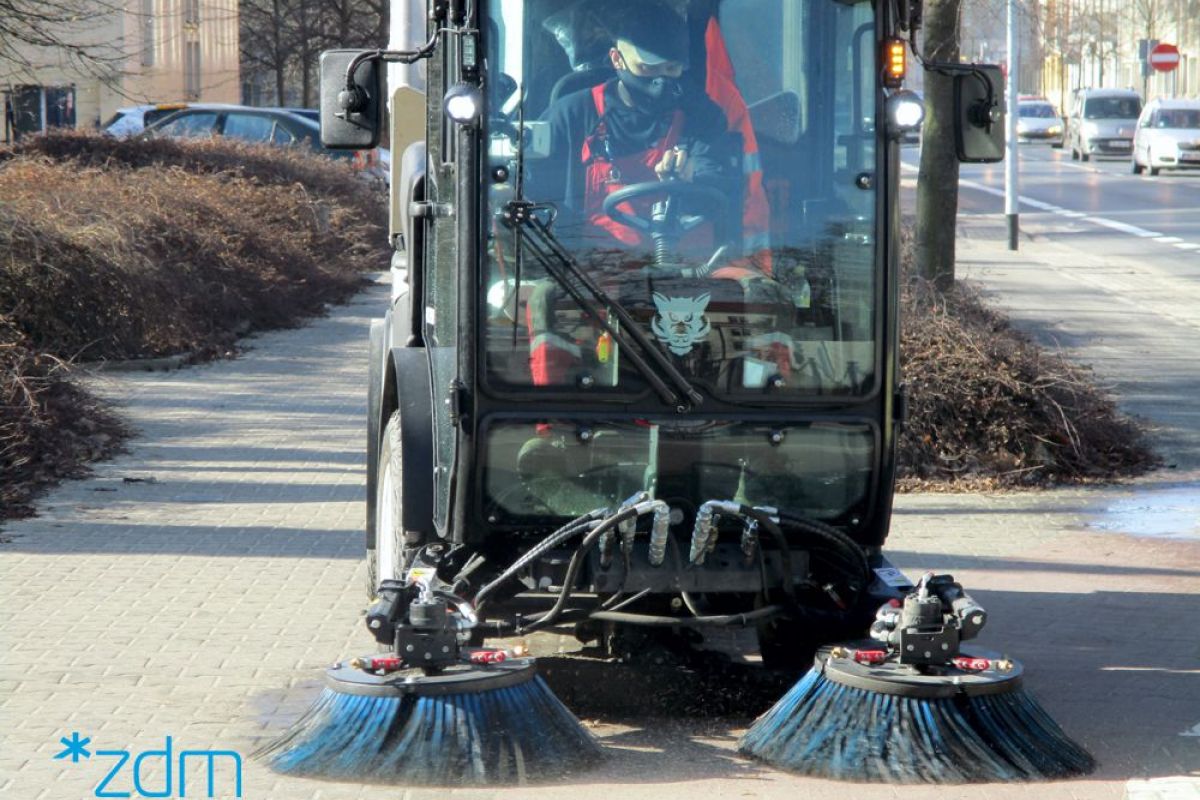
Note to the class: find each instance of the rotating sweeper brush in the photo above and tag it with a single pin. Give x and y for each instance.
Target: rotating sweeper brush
(912, 705)
(432, 710)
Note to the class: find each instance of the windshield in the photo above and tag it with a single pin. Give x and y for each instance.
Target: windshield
(711, 170)
(1112, 108)
(1180, 118)
(1039, 110)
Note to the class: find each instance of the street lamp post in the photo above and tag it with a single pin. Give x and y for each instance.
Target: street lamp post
(1010, 138)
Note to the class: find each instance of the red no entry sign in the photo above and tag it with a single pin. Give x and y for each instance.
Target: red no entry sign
(1164, 57)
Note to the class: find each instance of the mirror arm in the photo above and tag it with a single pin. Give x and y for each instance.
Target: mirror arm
(352, 99)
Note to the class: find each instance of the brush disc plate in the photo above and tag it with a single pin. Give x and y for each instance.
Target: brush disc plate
(927, 682)
(458, 679)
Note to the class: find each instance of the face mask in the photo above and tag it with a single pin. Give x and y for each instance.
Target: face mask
(652, 94)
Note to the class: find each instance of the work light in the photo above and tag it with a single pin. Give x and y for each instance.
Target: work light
(462, 103)
(905, 112)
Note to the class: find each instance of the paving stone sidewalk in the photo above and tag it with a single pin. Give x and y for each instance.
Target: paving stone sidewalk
(195, 587)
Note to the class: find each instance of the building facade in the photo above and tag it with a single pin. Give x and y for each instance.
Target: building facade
(1098, 43)
(138, 52)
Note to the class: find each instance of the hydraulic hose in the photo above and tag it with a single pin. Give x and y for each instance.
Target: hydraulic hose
(721, 620)
(840, 542)
(566, 532)
(765, 522)
(631, 512)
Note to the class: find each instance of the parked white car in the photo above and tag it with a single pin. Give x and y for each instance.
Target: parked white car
(1167, 136)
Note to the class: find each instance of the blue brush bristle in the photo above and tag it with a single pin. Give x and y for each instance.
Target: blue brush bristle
(509, 735)
(830, 730)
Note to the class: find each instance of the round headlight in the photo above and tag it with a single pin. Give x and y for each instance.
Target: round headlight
(905, 111)
(463, 103)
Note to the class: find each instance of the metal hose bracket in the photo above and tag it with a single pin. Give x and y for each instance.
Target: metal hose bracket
(704, 532)
(660, 530)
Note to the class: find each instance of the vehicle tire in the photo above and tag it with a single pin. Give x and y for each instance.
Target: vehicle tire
(786, 645)
(1084, 157)
(1056, 145)
(1074, 154)
(1136, 168)
(387, 558)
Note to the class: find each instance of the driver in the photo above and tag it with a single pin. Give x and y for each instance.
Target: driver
(646, 124)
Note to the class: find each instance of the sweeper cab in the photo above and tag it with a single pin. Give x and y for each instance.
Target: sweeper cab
(639, 371)
(575, 332)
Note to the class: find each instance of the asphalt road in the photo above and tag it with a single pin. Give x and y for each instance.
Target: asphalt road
(1099, 206)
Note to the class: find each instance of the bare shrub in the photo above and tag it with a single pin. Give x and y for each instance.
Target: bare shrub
(49, 427)
(114, 249)
(125, 263)
(990, 409)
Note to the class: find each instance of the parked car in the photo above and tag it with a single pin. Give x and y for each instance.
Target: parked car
(1038, 121)
(132, 120)
(270, 126)
(1102, 122)
(1167, 137)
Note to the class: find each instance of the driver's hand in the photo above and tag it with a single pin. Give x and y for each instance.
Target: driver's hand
(674, 164)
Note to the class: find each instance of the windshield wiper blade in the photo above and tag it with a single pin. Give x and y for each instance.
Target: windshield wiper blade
(535, 234)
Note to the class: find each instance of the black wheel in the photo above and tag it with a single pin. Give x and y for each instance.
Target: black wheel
(1074, 154)
(386, 559)
(783, 644)
(1084, 156)
(1136, 168)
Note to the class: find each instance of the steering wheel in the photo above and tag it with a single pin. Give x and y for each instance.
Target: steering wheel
(666, 224)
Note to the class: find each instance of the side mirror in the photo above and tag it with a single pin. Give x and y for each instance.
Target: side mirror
(979, 114)
(351, 116)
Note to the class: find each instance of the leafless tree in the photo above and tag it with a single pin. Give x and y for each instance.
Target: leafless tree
(1146, 16)
(264, 38)
(284, 38)
(33, 31)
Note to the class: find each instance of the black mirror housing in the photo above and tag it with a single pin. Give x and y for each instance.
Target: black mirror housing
(351, 116)
(979, 113)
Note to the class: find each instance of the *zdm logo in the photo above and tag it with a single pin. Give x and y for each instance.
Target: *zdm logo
(122, 772)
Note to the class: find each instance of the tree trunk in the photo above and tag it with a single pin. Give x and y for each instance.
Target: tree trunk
(277, 51)
(937, 179)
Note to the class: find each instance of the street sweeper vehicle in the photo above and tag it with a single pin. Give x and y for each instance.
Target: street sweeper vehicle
(638, 381)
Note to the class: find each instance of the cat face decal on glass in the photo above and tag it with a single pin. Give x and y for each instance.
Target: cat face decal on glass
(681, 322)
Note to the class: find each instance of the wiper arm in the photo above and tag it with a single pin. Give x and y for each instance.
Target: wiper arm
(521, 216)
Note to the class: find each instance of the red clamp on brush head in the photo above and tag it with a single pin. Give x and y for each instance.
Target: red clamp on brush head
(972, 664)
(378, 663)
(488, 656)
(870, 656)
